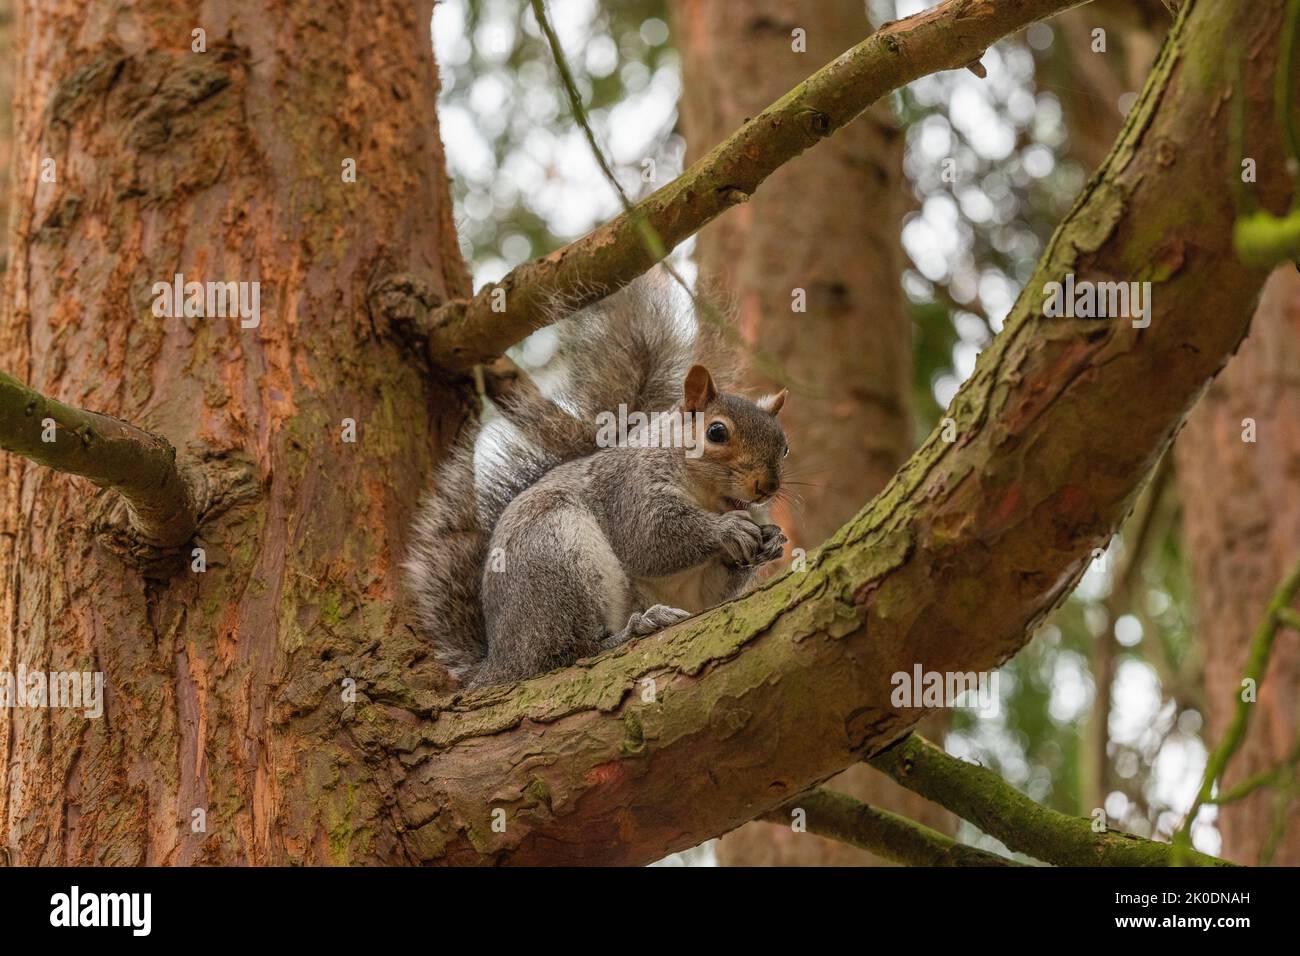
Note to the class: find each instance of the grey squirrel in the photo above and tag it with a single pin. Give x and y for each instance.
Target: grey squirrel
(537, 546)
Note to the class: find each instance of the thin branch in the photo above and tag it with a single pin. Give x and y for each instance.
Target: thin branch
(1288, 618)
(979, 795)
(580, 115)
(1281, 818)
(838, 816)
(948, 37)
(1261, 650)
(650, 238)
(1278, 773)
(1287, 782)
(139, 466)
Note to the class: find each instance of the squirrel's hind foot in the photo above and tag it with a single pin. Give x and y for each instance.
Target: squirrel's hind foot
(640, 623)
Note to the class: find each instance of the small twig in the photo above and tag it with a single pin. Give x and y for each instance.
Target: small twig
(138, 465)
(1261, 649)
(1265, 778)
(1138, 533)
(1281, 816)
(654, 243)
(1288, 618)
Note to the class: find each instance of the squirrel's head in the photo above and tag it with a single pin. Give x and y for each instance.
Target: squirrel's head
(739, 444)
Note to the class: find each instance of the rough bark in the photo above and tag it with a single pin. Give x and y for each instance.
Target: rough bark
(223, 686)
(828, 226)
(1241, 517)
(6, 121)
(967, 549)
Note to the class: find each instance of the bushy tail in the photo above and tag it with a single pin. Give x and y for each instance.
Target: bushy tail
(632, 348)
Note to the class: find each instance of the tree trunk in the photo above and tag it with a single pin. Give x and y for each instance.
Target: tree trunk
(225, 165)
(230, 690)
(825, 235)
(1241, 515)
(6, 121)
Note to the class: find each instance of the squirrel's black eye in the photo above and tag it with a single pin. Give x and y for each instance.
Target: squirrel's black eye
(717, 433)
(786, 452)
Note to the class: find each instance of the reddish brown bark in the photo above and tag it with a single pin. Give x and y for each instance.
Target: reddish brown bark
(6, 120)
(1241, 515)
(222, 687)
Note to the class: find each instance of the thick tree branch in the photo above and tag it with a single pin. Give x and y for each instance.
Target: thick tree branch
(838, 816)
(686, 734)
(138, 465)
(947, 37)
(1000, 810)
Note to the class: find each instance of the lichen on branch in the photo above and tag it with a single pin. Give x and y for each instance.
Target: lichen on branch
(137, 464)
(979, 795)
(838, 816)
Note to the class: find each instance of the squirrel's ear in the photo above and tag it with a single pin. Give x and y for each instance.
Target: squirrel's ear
(773, 403)
(698, 389)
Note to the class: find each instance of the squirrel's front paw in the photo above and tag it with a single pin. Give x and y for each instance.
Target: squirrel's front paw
(773, 546)
(741, 538)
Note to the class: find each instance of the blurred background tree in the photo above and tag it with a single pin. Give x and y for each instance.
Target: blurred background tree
(912, 235)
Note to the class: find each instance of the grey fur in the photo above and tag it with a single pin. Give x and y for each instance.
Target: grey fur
(590, 546)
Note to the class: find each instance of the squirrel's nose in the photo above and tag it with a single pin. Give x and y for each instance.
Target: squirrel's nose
(763, 489)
